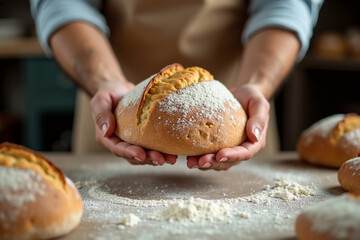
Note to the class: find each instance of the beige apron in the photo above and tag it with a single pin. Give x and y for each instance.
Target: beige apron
(147, 35)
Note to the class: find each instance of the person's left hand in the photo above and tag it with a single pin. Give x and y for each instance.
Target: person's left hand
(257, 108)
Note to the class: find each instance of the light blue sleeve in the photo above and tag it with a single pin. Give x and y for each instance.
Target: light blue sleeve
(49, 15)
(299, 16)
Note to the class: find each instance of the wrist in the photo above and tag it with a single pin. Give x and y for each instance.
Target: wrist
(95, 80)
(265, 83)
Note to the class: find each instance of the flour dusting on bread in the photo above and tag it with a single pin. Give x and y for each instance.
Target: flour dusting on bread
(355, 165)
(353, 137)
(331, 141)
(24, 187)
(340, 217)
(208, 97)
(135, 94)
(325, 125)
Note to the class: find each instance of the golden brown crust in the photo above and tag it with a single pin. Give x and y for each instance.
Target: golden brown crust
(331, 141)
(13, 155)
(349, 175)
(190, 127)
(38, 201)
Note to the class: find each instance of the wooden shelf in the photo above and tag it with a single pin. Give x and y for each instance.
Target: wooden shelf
(20, 47)
(340, 64)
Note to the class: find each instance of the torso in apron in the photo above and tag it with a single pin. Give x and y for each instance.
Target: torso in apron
(147, 35)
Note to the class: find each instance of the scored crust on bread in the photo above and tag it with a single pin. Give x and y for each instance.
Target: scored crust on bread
(333, 219)
(36, 200)
(331, 141)
(181, 111)
(349, 175)
(170, 79)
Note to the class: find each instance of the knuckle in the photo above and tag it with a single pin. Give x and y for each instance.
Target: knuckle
(99, 119)
(260, 122)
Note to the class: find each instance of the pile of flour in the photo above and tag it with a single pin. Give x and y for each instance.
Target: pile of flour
(129, 220)
(193, 210)
(288, 190)
(283, 189)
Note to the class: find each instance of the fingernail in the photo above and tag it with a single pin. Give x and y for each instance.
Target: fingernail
(207, 165)
(104, 128)
(167, 162)
(257, 133)
(137, 159)
(223, 159)
(155, 163)
(195, 166)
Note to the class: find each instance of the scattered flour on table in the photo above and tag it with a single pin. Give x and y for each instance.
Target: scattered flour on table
(202, 210)
(241, 217)
(194, 210)
(87, 183)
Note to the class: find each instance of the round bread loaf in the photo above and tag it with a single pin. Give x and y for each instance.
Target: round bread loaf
(182, 112)
(36, 200)
(334, 219)
(331, 141)
(349, 175)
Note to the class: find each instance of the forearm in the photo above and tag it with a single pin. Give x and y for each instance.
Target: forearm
(267, 58)
(86, 55)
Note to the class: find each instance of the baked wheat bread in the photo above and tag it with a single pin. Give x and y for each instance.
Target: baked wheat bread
(182, 112)
(36, 200)
(331, 141)
(349, 175)
(334, 219)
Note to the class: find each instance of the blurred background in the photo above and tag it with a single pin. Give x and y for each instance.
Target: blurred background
(37, 99)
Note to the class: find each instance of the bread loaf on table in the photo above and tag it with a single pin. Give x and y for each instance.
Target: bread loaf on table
(349, 175)
(331, 141)
(333, 219)
(36, 200)
(182, 112)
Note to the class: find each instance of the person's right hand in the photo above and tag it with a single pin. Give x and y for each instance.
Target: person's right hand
(103, 104)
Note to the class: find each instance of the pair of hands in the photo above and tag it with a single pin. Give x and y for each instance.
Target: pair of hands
(251, 98)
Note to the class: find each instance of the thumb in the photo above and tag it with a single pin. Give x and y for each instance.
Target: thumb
(105, 121)
(258, 118)
(102, 114)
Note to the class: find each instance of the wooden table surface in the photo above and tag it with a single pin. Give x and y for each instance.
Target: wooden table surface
(135, 188)
(20, 47)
